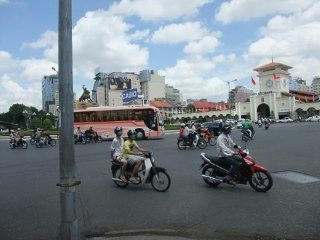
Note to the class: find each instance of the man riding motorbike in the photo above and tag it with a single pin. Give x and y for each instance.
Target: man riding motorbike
(226, 154)
(247, 126)
(78, 134)
(131, 157)
(117, 151)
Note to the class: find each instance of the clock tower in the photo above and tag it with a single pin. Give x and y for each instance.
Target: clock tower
(273, 77)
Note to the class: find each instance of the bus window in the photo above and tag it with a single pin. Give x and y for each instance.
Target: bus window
(150, 119)
(137, 115)
(130, 114)
(122, 115)
(76, 117)
(98, 116)
(106, 116)
(113, 115)
(161, 123)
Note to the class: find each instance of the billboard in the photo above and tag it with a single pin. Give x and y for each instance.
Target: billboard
(119, 83)
(130, 95)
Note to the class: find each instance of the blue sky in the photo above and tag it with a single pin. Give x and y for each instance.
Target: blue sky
(196, 44)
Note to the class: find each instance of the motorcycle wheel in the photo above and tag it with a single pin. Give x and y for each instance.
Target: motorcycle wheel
(181, 145)
(258, 181)
(84, 141)
(25, 145)
(117, 174)
(211, 172)
(161, 181)
(202, 144)
(38, 144)
(31, 141)
(244, 138)
(213, 141)
(11, 146)
(52, 142)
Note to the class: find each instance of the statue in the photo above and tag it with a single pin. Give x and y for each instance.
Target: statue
(85, 95)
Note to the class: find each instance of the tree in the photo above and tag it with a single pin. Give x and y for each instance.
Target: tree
(47, 124)
(236, 117)
(35, 123)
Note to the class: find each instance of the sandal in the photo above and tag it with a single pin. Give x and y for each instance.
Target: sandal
(133, 180)
(122, 178)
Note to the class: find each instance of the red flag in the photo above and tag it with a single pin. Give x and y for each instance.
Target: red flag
(276, 76)
(253, 81)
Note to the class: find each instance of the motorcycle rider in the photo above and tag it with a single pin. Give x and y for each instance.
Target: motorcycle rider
(78, 134)
(133, 158)
(90, 133)
(226, 154)
(117, 151)
(181, 130)
(247, 127)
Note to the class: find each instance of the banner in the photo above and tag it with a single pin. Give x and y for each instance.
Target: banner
(130, 95)
(119, 83)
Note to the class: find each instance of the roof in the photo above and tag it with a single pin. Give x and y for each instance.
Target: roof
(208, 105)
(105, 108)
(302, 96)
(271, 66)
(161, 104)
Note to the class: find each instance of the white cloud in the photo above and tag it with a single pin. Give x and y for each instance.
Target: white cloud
(206, 45)
(7, 62)
(12, 92)
(139, 35)
(156, 10)
(243, 10)
(293, 40)
(177, 33)
(195, 78)
(47, 39)
(3, 2)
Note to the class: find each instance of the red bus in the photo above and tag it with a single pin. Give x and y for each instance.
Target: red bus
(146, 121)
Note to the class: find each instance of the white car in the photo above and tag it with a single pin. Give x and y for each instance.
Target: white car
(285, 120)
(315, 119)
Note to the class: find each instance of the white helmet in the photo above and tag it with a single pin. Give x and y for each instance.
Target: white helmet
(182, 125)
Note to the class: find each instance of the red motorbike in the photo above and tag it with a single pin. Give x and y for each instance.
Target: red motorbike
(208, 136)
(214, 171)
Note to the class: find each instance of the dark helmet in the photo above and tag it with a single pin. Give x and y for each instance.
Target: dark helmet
(130, 134)
(226, 129)
(117, 129)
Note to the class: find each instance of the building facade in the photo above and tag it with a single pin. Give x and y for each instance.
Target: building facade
(50, 85)
(173, 95)
(316, 85)
(152, 84)
(108, 87)
(240, 94)
(274, 99)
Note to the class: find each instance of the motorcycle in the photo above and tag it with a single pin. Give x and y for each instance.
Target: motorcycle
(208, 136)
(21, 143)
(92, 138)
(81, 139)
(32, 139)
(45, 142)
(198, 141)
(266, 126)
(147, 173)
(214, 171)
(245, 135)
(260, 124)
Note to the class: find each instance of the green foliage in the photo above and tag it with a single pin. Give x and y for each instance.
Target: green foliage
(171, 127)
(35, 123)
(236, 117)
(47, 124)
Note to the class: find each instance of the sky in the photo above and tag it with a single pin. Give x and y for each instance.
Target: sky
(197, 45)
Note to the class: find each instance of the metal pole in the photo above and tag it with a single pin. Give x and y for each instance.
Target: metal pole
(69, 226)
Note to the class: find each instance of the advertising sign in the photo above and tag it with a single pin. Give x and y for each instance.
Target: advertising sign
(119, 83)
(129, 95)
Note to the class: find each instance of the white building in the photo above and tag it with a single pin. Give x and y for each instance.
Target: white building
(50, 84)
(173, 95)
(274, 98)
(152, 85)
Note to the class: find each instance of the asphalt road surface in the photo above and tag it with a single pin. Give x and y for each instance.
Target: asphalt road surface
(29, 200)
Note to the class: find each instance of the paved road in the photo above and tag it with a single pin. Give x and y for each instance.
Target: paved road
(29, 202)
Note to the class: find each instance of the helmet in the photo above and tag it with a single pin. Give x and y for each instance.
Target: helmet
(182, 125)
(117, 129)
(226, 129)
(130, 133)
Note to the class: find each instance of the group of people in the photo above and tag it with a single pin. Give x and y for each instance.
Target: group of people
(40, 134)
(189, 132)
(89, 133)
(123, 152)
(15, 137)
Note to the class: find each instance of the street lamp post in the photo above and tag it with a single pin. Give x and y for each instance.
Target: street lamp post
(229, 82)
(69, 226)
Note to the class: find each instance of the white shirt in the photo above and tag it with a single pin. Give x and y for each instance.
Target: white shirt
(186, 131)
(117, 145)
(224, 143)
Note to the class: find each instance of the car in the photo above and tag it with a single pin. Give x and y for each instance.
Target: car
(285, 120)
(315, 118)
